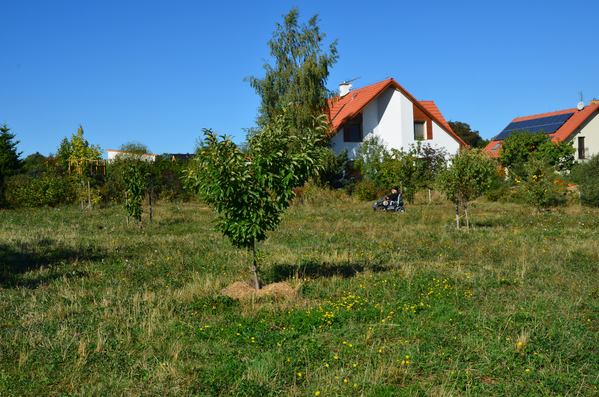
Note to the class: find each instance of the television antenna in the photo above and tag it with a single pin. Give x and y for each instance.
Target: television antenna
(580, 105)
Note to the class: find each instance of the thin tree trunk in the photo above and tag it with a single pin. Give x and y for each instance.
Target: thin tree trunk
(150, 202)
(127, 217)
(467, 218)
(430, 199)
(255, 266)
(89, 196)
(457, 216)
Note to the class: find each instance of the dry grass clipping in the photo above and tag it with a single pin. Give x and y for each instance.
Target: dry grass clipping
(242, 291)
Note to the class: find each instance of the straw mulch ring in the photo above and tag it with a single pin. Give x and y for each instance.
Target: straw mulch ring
(241, 291)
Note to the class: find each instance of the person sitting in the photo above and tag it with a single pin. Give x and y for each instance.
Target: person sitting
(394, 196)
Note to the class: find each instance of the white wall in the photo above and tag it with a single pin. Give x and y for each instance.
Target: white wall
(391, 117)
(590, 132)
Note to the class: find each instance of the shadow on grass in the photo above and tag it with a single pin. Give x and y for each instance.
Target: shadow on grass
(18, 259)
(313, 269)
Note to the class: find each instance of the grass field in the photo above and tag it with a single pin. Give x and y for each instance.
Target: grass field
(389, 304)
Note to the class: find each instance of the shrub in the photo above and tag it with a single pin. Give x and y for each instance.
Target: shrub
(47, 190)
(541, 188)
(586, 175)
(366, 190)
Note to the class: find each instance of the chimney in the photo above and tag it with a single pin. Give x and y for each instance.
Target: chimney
(344, 88)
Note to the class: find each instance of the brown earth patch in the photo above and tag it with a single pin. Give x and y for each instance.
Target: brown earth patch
(240, 290)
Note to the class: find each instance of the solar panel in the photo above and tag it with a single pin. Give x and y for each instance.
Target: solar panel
(548, 125)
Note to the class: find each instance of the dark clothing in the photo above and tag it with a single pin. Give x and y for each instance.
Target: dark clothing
(393, 197)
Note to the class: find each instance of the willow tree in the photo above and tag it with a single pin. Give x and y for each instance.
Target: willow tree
(297, 78)
(250, 189)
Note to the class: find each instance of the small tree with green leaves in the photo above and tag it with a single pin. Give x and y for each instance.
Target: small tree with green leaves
(134, 177)
(429, 161)
(370, 157)
(468, 176)
(251, 189)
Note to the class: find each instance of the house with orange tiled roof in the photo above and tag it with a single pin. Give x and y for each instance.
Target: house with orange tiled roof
(578, 126)
(387, 110)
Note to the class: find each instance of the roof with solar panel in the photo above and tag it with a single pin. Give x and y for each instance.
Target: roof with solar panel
(559, 125)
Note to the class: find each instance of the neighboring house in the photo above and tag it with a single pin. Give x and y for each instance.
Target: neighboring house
(387, 110)
(580, 126)
(113, 154)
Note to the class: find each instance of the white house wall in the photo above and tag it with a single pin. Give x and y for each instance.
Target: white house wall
(590, 132)
(442, 139)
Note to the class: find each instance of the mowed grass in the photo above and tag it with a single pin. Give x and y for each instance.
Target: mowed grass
(389, 304)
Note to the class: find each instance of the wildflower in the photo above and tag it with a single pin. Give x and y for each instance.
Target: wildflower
(317, 393)
(299, 374)
(345, 380)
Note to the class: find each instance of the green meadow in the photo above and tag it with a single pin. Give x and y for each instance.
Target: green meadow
(387, 304)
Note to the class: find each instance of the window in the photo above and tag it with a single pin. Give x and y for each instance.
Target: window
(419, 130)
(581, 148)
(352, 131)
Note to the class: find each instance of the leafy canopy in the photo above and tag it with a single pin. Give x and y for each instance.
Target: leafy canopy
(518, 148)
(470, 136)
(76, 153)
(468, 176)
(251, 189)
(296, 81)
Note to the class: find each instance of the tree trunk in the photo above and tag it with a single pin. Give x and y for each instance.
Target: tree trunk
(430, 199)
(466, 215)
(89, 196)
(127, 216)
(255, 266)
(457, 216)
(150, 203)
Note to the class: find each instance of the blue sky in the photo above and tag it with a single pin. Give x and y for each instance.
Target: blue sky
(158, 72)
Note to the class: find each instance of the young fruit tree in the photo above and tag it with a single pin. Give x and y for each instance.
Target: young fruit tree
(468, 176)
(134, 176)
(250, 189)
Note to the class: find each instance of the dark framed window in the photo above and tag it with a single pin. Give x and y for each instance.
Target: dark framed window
(419, 130)
(581, 148)
(352, 131)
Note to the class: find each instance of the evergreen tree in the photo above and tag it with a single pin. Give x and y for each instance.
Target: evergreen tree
(297, 80)
(9, 157)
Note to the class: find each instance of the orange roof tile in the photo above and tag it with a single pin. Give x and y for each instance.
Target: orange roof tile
(342, 109)
(434, 110)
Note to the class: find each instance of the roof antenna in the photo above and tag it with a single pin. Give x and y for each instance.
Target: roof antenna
(580, 105)
(351, 80)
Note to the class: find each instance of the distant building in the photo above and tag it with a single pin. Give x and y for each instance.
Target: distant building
(580, 126)
(385, 109)
(113, 154)
(174, 157)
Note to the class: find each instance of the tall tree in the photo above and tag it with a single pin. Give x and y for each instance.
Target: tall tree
(9, 157)
(470, 136)
(297, 79)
